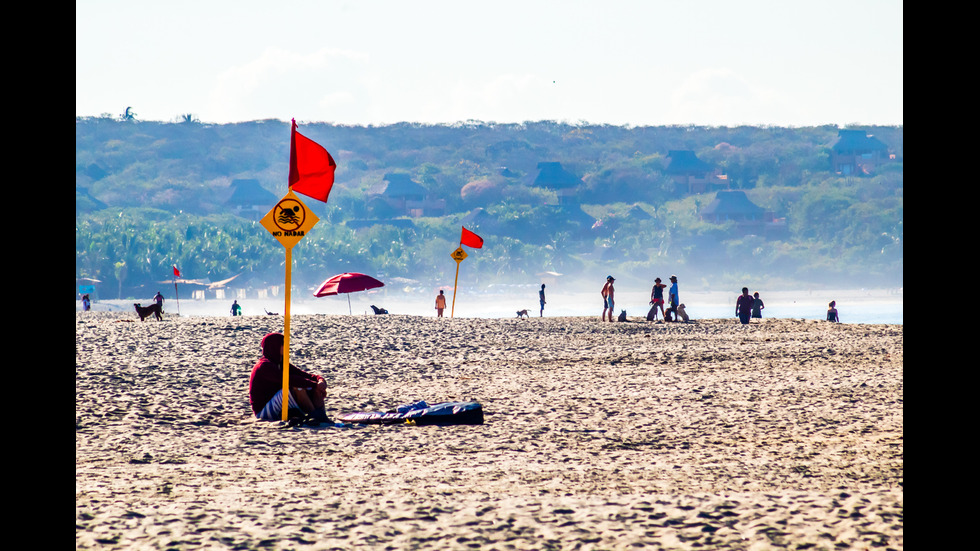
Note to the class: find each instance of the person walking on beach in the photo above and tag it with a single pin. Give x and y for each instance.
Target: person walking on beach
(657, 299)
(306, 390)
(158, 298)
(236, 309)
(86, 303)
(541, 299)
(832, 312)
(440, 304)
(743, 306)
(673, 297)
(757, 305)
(608, 298)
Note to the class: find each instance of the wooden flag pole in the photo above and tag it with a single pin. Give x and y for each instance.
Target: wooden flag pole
(177, 296)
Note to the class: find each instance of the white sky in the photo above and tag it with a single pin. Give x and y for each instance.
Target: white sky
(633, 62)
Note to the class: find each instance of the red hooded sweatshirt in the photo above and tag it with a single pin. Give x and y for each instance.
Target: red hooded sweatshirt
(266, 378)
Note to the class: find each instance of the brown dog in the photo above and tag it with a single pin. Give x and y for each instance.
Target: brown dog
(146, 311)
(522, 313)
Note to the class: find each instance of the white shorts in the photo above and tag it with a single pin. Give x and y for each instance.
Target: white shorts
(273, 409)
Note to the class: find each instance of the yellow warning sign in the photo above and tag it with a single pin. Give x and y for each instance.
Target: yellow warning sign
(459, 255)
(289, 220)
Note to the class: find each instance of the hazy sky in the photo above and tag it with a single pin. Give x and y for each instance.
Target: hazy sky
(719, 63)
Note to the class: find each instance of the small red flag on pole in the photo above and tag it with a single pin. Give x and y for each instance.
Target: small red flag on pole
(177, 296)
(311, 168)
(470, 239)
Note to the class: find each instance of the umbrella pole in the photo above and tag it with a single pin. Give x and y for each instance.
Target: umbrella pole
(348, 305)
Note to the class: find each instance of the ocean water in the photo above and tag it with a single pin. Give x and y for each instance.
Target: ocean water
(854, 306)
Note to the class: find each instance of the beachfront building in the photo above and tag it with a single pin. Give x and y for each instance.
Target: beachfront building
(857, 153)
(692, 175)
(406, 197)
(249, 199)
(735, 206)
(551, 175)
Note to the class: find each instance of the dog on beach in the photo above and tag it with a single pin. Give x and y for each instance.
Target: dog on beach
(378, 311)
(622, 316)
(146, 311)
(682, 314)
(523, 314)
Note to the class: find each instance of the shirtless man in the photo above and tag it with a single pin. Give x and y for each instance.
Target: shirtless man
(608, 298)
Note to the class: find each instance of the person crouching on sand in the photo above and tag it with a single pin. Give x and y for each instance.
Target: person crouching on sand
(306, 390)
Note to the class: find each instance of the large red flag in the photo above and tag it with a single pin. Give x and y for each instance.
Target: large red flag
(176, 271)
(311, 167)
(470, 239)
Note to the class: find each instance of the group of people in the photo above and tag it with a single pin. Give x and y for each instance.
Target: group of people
(656, 299)
(748, 306)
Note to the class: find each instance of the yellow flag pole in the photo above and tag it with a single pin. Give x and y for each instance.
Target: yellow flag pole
(455, 281)
(285, 331)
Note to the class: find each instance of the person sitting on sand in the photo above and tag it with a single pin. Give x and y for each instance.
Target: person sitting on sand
(832, 312)
(306, 390)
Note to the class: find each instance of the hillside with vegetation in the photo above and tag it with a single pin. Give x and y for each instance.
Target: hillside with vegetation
(152, 194)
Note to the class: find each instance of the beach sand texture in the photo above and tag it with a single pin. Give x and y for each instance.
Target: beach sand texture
(784, 434)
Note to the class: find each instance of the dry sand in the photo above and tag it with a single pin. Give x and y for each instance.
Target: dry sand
(785, 434)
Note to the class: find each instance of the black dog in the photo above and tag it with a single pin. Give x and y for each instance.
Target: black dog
(378, 311)
(622, 316)
(146, 311)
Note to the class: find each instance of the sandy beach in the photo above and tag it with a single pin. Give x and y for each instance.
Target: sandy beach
(783, 434)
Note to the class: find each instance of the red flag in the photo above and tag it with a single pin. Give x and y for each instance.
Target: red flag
(176, 271)
(311, 167)
(470, 239)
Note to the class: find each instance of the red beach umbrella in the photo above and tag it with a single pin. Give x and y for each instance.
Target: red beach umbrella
(350, 282)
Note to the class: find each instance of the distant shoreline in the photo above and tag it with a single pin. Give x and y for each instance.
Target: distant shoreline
(874, 306)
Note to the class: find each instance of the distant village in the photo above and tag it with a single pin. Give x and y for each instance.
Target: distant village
(398, 199)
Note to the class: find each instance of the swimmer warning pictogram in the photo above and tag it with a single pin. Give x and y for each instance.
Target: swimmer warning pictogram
(289, 220)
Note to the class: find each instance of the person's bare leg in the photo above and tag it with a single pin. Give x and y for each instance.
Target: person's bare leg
(302, 398)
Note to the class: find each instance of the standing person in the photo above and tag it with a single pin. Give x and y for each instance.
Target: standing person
(236, 310)
(86, 303)
(541, 299)
(608, 298)
(657, 298)
(757, 305)
(158, 298)
(832, 312)
(306, 390)
(673, 297)
(440, 303)
(743, 306)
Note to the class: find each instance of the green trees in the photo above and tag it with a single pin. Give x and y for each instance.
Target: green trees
(151, 194)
